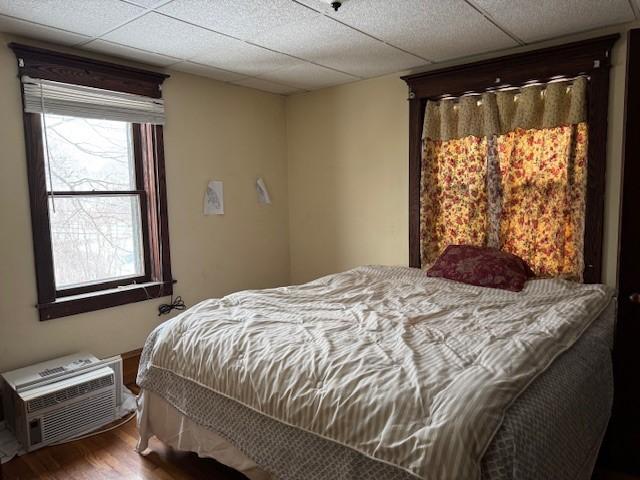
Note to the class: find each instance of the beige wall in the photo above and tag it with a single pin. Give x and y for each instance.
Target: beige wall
(213, 131)
(348, 179)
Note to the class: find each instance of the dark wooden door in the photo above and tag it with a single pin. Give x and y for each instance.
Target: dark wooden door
(623, 443)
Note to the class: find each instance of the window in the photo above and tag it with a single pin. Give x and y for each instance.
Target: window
(96, 178)
(95, 202)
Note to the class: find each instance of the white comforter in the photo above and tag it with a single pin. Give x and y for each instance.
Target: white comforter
(409, 370)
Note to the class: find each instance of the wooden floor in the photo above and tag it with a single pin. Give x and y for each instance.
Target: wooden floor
(111, 455)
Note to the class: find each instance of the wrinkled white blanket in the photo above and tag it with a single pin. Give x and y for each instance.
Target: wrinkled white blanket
(409, 370)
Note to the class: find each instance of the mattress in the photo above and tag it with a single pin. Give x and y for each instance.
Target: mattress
(282, 449)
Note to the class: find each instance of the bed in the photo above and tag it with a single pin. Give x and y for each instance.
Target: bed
(383, 372)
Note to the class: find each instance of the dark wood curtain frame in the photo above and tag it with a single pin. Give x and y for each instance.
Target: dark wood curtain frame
(150, 187)
(590, 57)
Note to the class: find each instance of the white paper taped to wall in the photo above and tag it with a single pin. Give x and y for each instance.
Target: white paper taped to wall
(214, 199)
(263, 193)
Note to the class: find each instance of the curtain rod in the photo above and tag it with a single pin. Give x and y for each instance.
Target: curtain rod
(510, 88)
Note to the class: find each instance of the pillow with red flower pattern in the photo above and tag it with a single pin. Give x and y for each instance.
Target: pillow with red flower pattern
(482, 266)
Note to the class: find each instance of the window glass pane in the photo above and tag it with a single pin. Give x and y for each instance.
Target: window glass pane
(95, 239)
(88, 154)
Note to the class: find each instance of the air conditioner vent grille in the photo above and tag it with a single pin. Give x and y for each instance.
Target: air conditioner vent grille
(68, 393)
(78, 417)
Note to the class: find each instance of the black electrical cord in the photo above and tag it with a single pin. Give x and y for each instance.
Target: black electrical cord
(176, 304)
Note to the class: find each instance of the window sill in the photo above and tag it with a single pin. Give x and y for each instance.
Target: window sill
(89, 302)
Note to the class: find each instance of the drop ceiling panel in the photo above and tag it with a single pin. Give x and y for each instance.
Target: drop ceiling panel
(39, 32)
(244, 19)
(542, 19)
(206, 71)
(329, 43)
(266, 86)
(129, 53)
(168, 36)
(238, 56)
(433, 29)
(308, 76)
(157, 33)
(88, 17)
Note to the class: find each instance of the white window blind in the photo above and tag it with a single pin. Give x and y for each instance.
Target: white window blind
(42, 96)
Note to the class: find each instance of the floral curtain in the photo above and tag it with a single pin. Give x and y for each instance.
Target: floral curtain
(508, 169)
(453, 181)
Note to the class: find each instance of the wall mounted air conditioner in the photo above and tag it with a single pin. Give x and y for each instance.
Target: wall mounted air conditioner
(61, 399)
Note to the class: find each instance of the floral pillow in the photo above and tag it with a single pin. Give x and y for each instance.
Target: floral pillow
(482, 266)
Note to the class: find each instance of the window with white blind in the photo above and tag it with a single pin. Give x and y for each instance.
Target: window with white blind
(96, 176)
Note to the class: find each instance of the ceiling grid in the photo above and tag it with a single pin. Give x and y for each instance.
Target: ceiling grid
(290, 46)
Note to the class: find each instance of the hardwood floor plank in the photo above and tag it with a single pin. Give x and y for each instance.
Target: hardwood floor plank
(112, 456)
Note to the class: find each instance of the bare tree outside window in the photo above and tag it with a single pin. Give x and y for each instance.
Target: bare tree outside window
(96, 229)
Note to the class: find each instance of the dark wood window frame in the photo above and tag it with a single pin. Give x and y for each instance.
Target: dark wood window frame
(150, 186)
(589, 57)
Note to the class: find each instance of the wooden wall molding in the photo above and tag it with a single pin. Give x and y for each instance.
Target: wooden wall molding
(64, 67)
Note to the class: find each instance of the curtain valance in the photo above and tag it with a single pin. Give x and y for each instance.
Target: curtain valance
(494, 113)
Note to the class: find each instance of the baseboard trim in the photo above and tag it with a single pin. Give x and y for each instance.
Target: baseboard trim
(130, 363)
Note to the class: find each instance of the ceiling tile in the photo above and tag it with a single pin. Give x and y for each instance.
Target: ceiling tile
(129, 53)
(160, 34)
(240, 18)
(532, 21)
(238, 56)
(326, 42)
(89, 17)
(39, 32)
(206, 71)
(433, 29)
(266, 86)
(157, 33)
(308, 76)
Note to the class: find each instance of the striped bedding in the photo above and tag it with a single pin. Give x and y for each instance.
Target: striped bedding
(408, 370)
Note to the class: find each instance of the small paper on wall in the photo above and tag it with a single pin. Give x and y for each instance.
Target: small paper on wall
(214, 199)
(263, 193)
